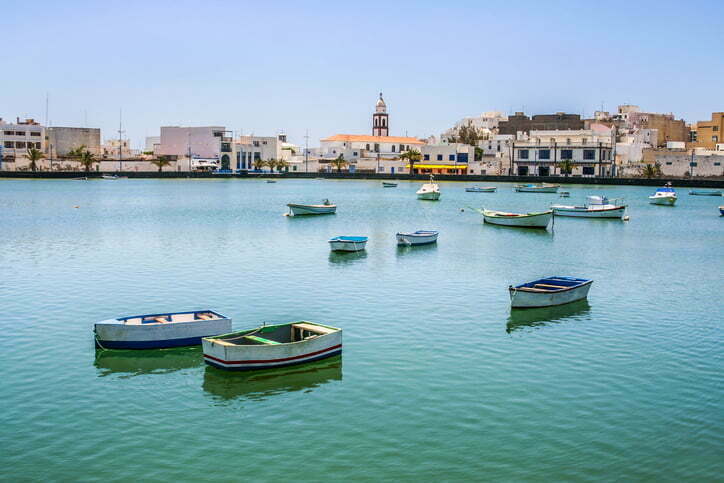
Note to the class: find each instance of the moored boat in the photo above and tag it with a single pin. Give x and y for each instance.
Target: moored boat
(348, 243)
(272, 346)
(524, 220)
(721, 210)
(109, 176)
(155, 331)
(387, 184)
(419, 237)
(705, 192)
(533, 188)
(596, 207)
(271, 181)
(325, 208)
(481, 189)
(429, 191)
(565, 194)
(546, 292)
(663, 196)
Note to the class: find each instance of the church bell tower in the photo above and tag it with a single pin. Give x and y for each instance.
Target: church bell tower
(380, 124)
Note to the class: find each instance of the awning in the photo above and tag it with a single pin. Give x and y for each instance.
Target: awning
(440, 166)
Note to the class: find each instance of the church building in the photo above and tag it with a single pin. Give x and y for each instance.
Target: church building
(379, 152)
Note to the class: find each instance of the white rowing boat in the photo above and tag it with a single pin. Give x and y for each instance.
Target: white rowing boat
(596, 207)
(549, 291)
(523, 220)
(325, 208)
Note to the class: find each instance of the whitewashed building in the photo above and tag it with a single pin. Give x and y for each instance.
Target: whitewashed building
(188, 143)
(15, 140)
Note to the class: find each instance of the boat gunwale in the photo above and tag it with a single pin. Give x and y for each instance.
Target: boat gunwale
(241, 333)
(521, 288)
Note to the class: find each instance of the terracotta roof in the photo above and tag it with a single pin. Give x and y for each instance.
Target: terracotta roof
(373, 139)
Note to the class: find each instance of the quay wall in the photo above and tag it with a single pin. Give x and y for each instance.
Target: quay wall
(681, 182)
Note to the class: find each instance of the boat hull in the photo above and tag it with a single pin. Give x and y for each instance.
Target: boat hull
(481, 190)
(573, 211)
(528, 221)
(662, 200)
(302, 210)
(389, 185)
(520, 299)
(257, 357)
(113, 334)
(347, 246)
(537, 189)
(413, 239)
(429, 195)
(705, 193)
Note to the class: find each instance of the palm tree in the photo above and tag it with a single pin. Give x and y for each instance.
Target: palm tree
(259, 164)
(651, 170)
(413, 155)
(34, 155)
(271, 163)
(77, 152)
(160, 162)
(86, 160)
(339, 162)
(281, 164)
(566, 167)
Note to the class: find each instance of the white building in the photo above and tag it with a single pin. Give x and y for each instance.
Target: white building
(151, 142)
(15, 140)
(117, 148)
(486, 122)
(187, 143)
(248, 150)
(539, 154)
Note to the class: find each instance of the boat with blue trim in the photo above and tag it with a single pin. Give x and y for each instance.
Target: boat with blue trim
(596, 207)
(664, 196)
(549, 291)
(348, 243)
(326, 208)
(388, 184)
(272, 346)
(481, 189)
(419, 237)
(156, 331)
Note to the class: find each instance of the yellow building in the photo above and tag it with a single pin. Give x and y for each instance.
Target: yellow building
(709, 133)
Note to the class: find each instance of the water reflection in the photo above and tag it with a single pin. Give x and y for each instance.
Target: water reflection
(405, 250)
(229, 385)
(524, 230)
(346, 258)
(526, 318)
(137, 362)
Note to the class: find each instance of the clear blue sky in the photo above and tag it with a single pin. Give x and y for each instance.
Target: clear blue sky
(262, 67)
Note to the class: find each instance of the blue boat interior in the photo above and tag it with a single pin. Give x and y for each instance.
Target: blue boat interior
(169, 316)
(553, 284)
(354, 239)
(665, 190)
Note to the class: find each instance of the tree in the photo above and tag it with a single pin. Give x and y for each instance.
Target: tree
(566, 167)
(413, 155)
(77, 152)
(478, 154)
(651, 170)
(339, 162)
(161, 161)
(271, 163)
(467, 134)
(259, 164)
(87, 159)
(281, 164)
(34, 155)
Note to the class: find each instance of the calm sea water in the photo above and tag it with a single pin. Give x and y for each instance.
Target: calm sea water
(438, 379)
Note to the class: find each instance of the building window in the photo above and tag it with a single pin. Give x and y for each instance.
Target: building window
(693, 164)
(367, 147)
(20, 133)
(354, 153)
(452, 157)
(427, 157)
(498, 147)
(382, 169)
(715, 128)
(717, 163)
(19, 144)
(37, 134)
(9, 133)
(715, 139)
(583, 140)
(544, 154)
(377, 148)
(402, 147)
(523, 154)
(588, 170)
(566, 154)
(255, 143)
(37, 145)
(9, 144)
(589, 154)
(568, 141)
(669, 163)
(439, 157)
(393, 148)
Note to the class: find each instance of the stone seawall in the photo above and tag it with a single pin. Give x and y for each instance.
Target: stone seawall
(681, 182)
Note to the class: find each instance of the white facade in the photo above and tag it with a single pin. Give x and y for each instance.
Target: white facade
(487, 122)
(151, 142)
(208, 142)
(16, 139)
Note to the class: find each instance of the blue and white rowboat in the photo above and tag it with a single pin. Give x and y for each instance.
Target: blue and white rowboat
(348, 243)
(419, 237)
(155, 331)
(546, 292)
(272, 346)
(325, 208)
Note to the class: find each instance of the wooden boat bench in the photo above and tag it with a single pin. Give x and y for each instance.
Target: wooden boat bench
(314, 328)
(550, 287)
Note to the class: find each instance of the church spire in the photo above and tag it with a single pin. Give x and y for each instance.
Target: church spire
(380, 124)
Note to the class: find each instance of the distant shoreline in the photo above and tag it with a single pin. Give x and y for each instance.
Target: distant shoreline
(679, 182)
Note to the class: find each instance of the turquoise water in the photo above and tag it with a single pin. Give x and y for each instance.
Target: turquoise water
(438, 379)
